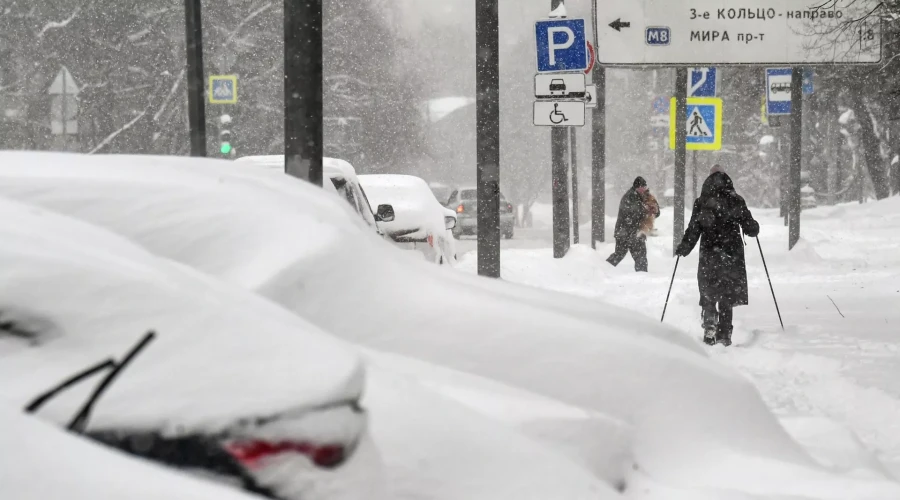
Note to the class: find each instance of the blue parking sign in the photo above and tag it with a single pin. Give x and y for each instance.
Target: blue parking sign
(561, 45)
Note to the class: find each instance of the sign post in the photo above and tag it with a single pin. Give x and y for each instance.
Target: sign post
(790, 33)
(562, 59)
(196, 107)
(487, 42)
(598, 146)
(796, 157)
(303, 122)
(678, 118)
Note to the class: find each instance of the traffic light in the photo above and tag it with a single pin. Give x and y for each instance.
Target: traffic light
(225, 146)
(225, 142)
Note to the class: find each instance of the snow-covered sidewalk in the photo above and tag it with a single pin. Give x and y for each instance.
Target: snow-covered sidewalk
(836, 365)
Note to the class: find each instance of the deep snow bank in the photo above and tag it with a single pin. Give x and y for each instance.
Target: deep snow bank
(328, 269)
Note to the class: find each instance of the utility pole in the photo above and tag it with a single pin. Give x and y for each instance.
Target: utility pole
(598, 150)
(694, 176)
(680, 125)
(303, 140)
(796, 156)
(487, 82)
(196, 102)
(573, 154)
(560, 187)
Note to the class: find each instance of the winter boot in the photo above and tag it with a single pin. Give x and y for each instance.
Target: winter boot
(710, 319)
(723, 335)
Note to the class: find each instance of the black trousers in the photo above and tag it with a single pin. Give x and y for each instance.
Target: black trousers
(637, 247)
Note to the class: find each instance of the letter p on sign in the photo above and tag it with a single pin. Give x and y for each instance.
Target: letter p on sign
(553, 46)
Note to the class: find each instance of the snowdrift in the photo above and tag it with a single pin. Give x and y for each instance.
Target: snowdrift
(289, 243)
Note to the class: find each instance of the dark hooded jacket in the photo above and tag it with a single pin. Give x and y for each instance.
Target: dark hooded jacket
(631, 212)
(719, 215)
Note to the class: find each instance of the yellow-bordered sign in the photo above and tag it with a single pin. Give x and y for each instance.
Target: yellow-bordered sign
(704, 124)
(223, 89)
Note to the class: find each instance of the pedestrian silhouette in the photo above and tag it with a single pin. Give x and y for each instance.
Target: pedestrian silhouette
(695, 124)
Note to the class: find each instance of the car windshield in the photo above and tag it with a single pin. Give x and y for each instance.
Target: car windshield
(468, 194)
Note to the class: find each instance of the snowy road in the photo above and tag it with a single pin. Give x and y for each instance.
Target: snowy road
(524, 238)
(839, 293)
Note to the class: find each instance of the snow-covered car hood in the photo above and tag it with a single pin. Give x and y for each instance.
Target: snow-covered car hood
(414, 204)
(82, 295)
(39, 462)
(612, 361)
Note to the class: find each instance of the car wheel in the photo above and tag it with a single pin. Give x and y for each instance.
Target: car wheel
(508, 234)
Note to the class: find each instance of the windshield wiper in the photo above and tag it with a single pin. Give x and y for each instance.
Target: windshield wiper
(79, 422)
(39, 401)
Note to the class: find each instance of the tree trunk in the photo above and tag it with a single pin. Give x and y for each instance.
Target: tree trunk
(871, 146)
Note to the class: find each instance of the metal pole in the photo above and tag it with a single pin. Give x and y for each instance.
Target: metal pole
(796, 155)
(694, 176)
(196, 103)
(561, 225)
(680, 153)
(487, 78)
(573, 154)
(303, 141)
(560, 179)
(598, 151)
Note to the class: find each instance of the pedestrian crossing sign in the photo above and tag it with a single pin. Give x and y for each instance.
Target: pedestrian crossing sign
(703, 126)
(223, 89)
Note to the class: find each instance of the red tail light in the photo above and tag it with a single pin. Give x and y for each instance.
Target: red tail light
(251, 453)
(509, 207)
(460, 209)
(431, 241)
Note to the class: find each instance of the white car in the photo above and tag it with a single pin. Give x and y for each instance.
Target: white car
(343, 182)
(420, 222)
(222, 383)
(585, 353)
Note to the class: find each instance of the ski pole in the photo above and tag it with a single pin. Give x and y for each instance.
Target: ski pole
(670, 289)
(770, 283)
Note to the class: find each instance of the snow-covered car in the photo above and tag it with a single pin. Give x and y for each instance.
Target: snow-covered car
(420, 222)
(433, 446)
(227, 385)
(681, 408)
(39, 461)
(465, 202)
(343, 182)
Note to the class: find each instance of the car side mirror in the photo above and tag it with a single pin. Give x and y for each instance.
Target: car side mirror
(449, 222)
(385, 213)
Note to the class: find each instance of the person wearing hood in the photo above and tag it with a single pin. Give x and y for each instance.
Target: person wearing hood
(719, 216)
(629, 236)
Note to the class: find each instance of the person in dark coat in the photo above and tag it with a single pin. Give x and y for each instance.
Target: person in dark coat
(719, 216)
(632, 212)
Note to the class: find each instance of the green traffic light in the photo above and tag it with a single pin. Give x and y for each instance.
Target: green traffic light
(225, 148)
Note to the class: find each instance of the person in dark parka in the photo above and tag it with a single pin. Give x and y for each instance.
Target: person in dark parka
(719, 216)
(632, 212)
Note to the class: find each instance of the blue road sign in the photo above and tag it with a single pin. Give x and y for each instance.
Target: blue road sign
(702, 82)
(778, 91)
(703, 125)
(561, 45)
(658, 36)
(808, 81)
(223, 89)
(661, 105)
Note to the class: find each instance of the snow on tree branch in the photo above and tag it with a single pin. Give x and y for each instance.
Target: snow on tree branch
(59, 24)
